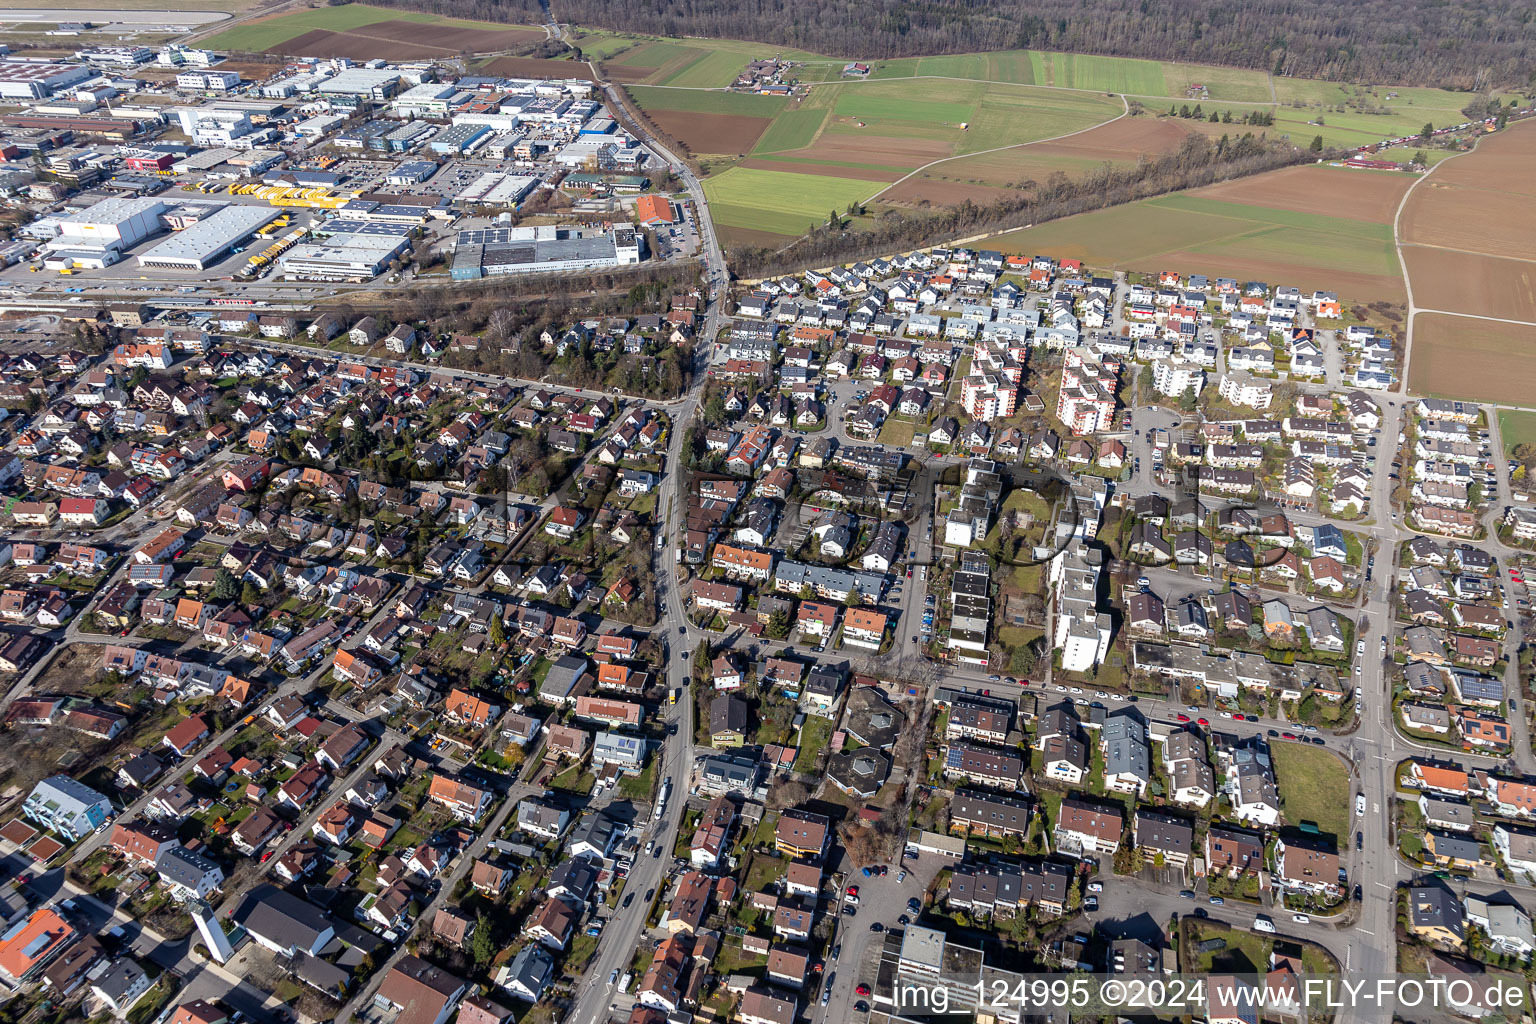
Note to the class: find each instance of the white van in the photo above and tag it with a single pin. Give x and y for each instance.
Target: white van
(1262, 923)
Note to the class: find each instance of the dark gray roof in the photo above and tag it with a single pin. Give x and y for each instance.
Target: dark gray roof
(727, 714)
(576, 876)
(118, 979)
(282, 917)
(1448, 844)
(1433, 906)
(1163, 832)
(531, 967)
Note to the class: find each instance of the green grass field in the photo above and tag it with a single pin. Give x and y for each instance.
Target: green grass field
(1011, 66)
(1288, 234)
(1516, 427)
(596, 45)
(708, 71)
(1314, 786)
(1008, 115)
(1164, 79)
(964, 65)
(1101, 74)
(781, 202)
(656, 54)
(697, 102)
(793, 129)
(263, 35)
(899, 101)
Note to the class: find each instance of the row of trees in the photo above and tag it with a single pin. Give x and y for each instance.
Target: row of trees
(1258, 118)
(1457, 43)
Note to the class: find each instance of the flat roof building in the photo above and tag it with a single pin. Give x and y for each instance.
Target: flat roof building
(118, 224)
(349, 257)
(199, 245)
(22, 79)
(537, 250)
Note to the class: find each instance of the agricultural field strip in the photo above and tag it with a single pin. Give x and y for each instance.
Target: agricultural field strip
(998, 149)
(1322, 250)
(265, 33)
(1348, 130)
(1279, 107)
(1465, 252)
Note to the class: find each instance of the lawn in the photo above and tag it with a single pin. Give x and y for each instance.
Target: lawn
(814, 736)
(638, 787)
(780, 201)
(897, 433)
(1314, 786)
(575, 779)
(263, 35)
(1244, 951)
(1516, 427)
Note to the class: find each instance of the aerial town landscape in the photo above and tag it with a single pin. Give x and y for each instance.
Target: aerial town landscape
(520, 522)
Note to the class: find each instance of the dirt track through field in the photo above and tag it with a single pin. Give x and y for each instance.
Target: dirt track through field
(1468, 239)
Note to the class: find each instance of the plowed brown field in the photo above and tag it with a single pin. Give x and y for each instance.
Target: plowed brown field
(1125, 139)
(712, 133)
(626, 74)
(1477, 220)
(1459, 357)
(1485, 285)
(1457, 225)
(1331, 191)
(922, 190)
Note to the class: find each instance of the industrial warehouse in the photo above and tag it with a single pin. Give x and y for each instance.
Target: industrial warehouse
(355, 251)
(201, 244)
(490, 252)
(103, 234)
